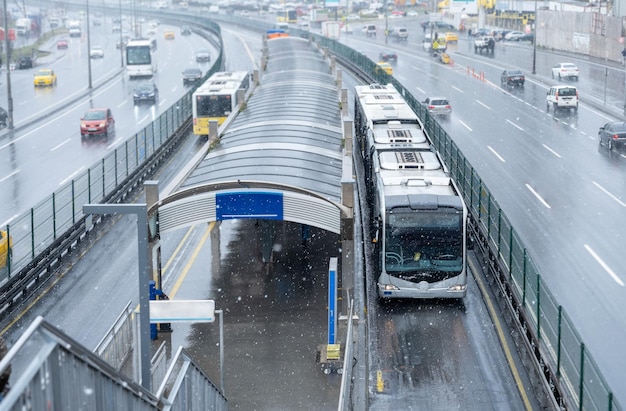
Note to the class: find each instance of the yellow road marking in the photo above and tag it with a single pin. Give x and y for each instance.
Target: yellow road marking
(60, 276)
(183, 274)
(503, 342)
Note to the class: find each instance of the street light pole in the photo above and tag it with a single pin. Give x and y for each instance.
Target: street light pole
(141, 211)
(535, 40)
(121, 38)
(88, 47)
(7, 46)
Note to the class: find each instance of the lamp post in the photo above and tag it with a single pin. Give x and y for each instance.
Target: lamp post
(88, 47)
(121, 38)
(141, 211)
(7, 46)
(535, 40)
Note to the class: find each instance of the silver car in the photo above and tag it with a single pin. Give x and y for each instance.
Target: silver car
(438, 106)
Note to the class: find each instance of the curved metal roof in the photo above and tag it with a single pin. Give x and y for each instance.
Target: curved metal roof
(290, 132)
(280, 158)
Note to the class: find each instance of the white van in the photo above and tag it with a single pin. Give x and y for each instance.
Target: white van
(562, 97)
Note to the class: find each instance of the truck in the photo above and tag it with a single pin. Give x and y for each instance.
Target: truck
(317, 17)
(331, 29)
(74, 28)
(22, 27)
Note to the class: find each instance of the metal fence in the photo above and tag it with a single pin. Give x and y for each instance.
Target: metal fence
(187, 387)
(45, 226)
(117, 344)
(551, 331)
(63, 375)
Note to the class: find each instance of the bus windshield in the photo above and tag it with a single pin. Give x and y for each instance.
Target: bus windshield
(213, 105)
(424, 245)
(138, 55)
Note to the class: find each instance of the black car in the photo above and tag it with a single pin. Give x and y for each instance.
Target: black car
(388, 56)
(24, 63)
(512, 78)
(147, 92)
(191, 75)
(185, 31)
(613, 134)
(3, 117)
(437, 25)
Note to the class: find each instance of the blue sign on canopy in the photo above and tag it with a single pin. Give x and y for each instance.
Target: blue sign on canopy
(248, 204)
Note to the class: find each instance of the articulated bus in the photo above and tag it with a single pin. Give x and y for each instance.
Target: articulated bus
(217, 98)
(418, 219)
(140, 58)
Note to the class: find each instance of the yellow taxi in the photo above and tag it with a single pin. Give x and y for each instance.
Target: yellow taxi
(384, 66)
(45, 77)
(452, 37)
(6, 244)
(169, 35)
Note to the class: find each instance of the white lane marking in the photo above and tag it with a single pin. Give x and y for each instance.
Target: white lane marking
(483, 104)
(246, 46)
(552, 151)
(72, 175)
(59, 145)
(495, 153)
(514, 125)
(604, 265)
(466, 126)
(9, 175)
(420, 90)
(538, 196)
(72, 108)
(121, 104)
(457, 89)
(147, 116)
(620, 202)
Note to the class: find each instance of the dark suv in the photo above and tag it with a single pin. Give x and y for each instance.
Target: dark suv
(512, 78)
(24, 62)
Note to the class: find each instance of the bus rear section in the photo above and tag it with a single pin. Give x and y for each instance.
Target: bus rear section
(217, 98)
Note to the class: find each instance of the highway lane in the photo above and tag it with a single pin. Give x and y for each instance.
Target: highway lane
(51, 146)
(564, 195)
(120, 268)
(85, 302)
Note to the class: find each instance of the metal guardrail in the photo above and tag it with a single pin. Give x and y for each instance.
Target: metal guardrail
(62, 374)
(558, 350)
(348, 359)
(180, 387)
(570, 371)
(117, 343)
(45, 236)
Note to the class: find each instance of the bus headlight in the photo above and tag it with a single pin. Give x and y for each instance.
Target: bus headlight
(389, 287)
(457, 288)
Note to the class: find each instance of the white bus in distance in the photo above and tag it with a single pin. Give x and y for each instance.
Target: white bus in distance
(140, 58)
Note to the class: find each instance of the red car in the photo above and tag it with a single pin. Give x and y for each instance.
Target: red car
(62, 44)
(97, 122)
